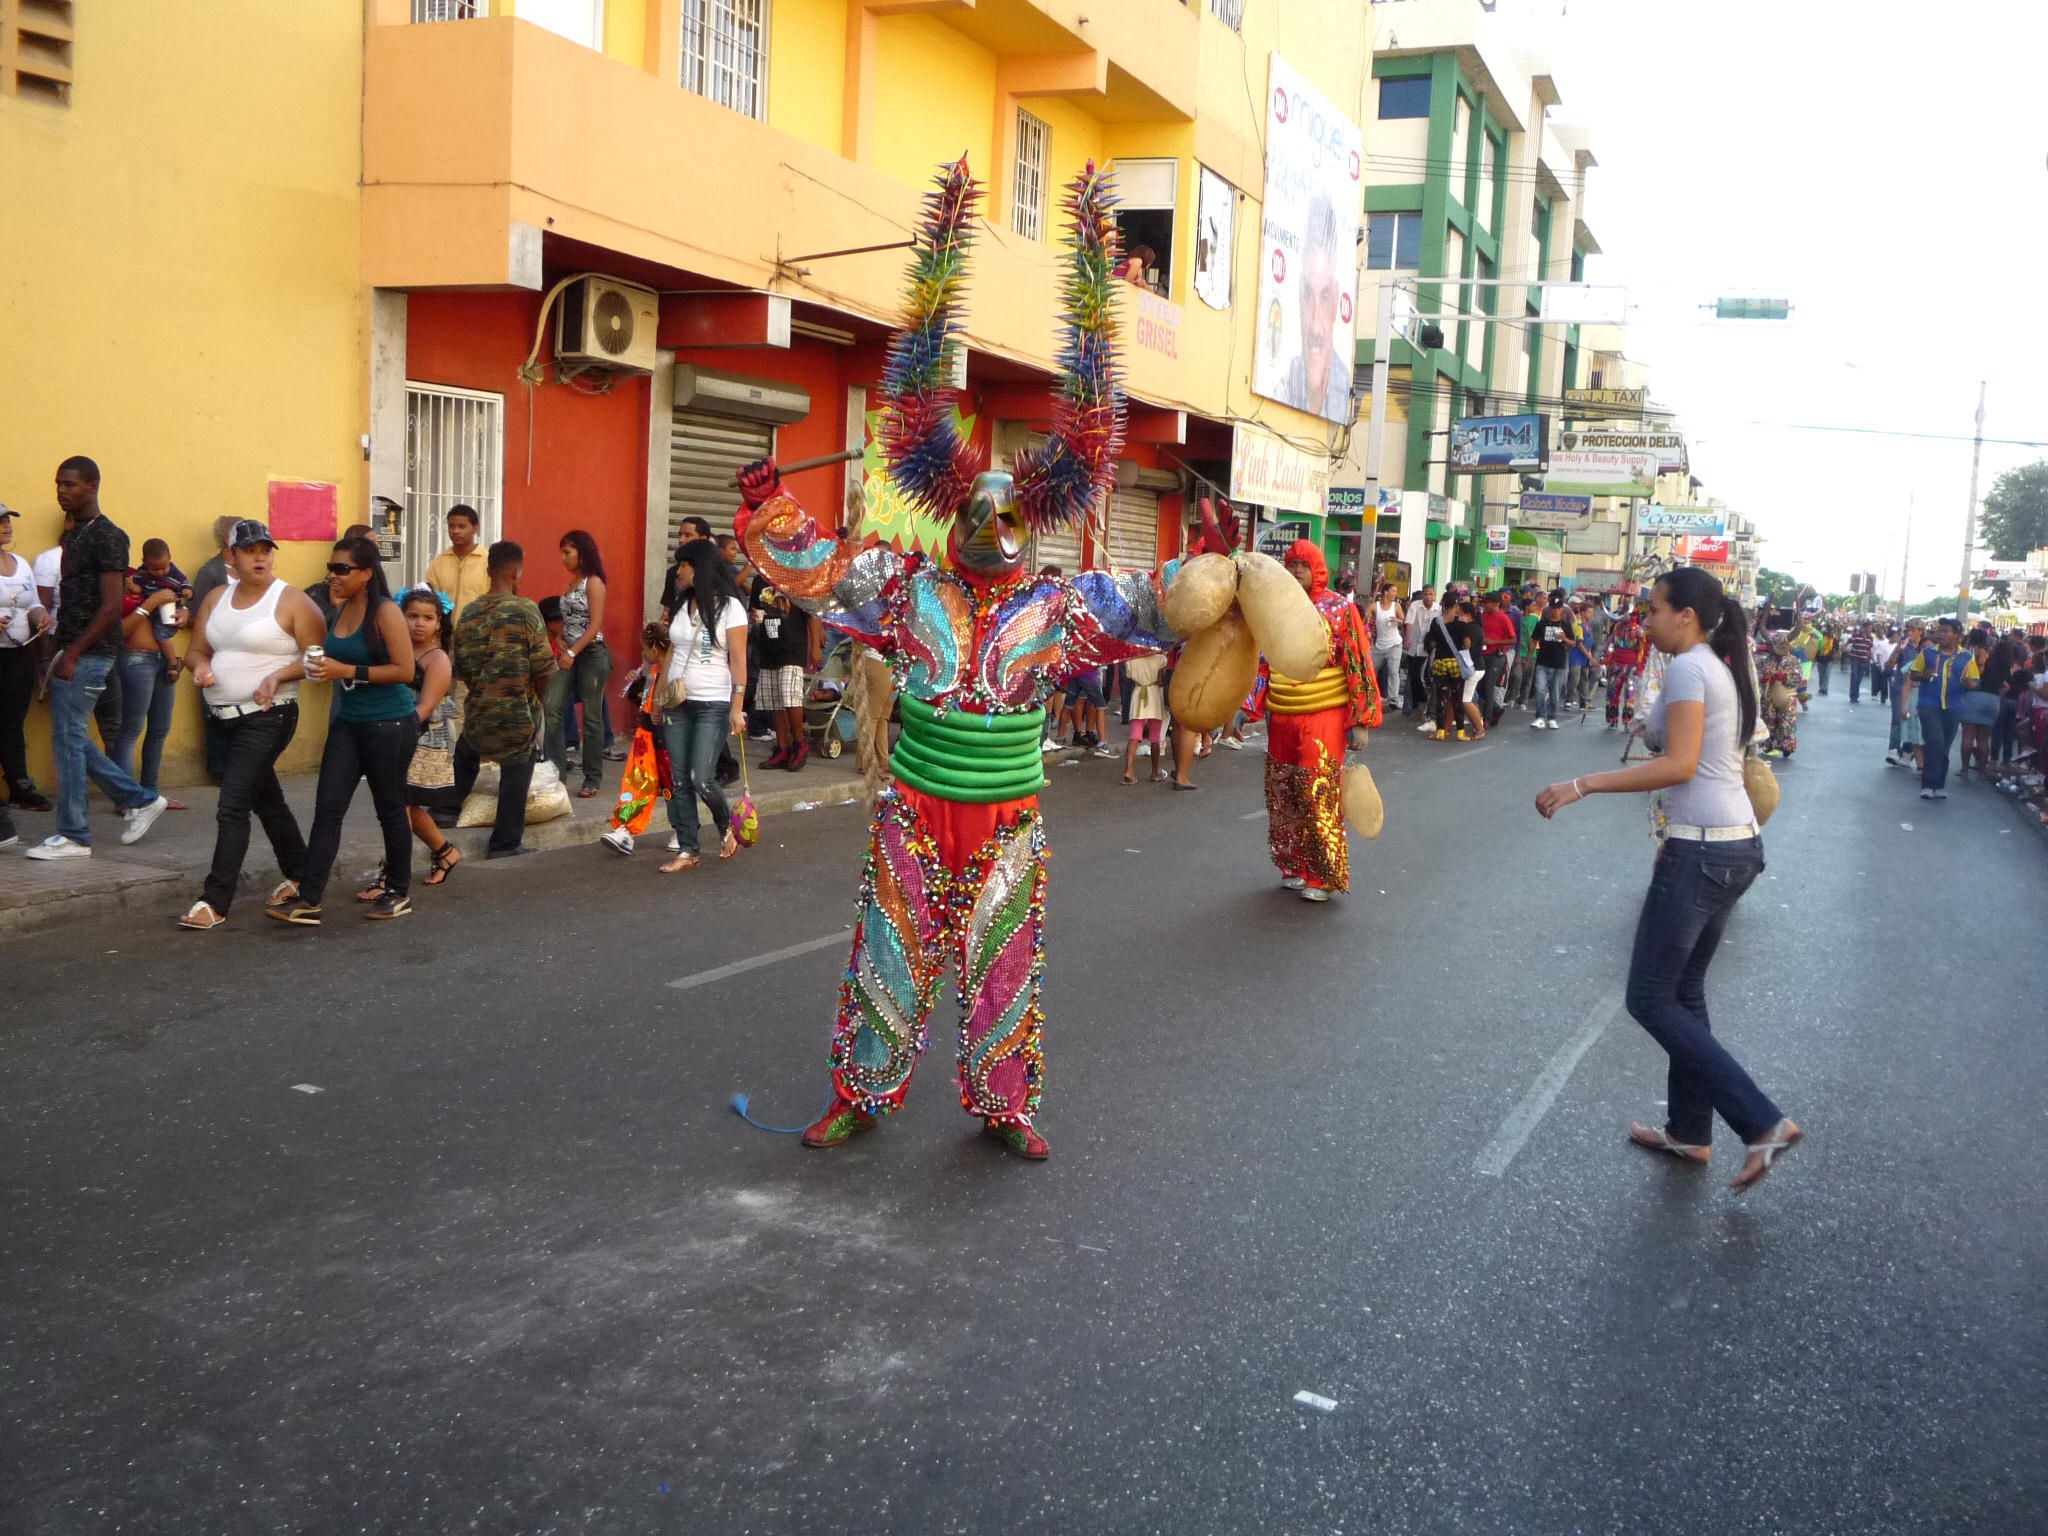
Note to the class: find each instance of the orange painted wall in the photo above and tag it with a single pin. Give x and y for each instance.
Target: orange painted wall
(589, 452)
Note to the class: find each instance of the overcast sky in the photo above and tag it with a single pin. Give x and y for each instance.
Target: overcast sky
(1884, 167)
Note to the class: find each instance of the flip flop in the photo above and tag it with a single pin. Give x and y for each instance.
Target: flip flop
(1783, 1137)
(1129, 780)
(1659, 1140)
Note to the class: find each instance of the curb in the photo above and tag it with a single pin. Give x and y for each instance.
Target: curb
(156, 890)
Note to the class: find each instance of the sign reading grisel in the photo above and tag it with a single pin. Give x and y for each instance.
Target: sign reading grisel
(1154, 323)
(1271, 473)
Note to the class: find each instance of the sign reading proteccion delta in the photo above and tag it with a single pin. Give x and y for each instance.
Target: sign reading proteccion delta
(1307, 244)
(1499, 443)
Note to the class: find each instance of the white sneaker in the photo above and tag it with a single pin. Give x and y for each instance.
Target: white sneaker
(1535, 725)
(619, 840)
(1553, 725)
(1105, 750)
(1427, 725)
(142, 818)
(1937, 794)
(60, 848)
(1048, 745)
(1314, 893)
(1233, 743)
(1926, 794)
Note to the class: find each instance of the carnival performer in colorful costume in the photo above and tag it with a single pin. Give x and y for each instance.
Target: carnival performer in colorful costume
(1779, 680)
(1626, 644)
(955, 865)
(1311, 723)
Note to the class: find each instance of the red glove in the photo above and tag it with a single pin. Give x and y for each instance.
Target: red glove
(1219, 533)
(759, 481)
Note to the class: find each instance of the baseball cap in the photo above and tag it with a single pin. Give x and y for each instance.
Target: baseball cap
(249, 532)
(6, 510)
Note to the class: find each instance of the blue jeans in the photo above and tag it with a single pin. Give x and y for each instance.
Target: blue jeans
(1693, 891)
(147, 695)
(1549, 691)
(78, 755)
(1938, 734)
(695, 732)
(1858, 671)
(1899, 714)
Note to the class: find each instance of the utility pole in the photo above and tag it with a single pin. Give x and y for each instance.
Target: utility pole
(1970, 517)
(1906, 555)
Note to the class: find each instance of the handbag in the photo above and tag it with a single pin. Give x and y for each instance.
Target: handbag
(1465, 667)
(746, 819)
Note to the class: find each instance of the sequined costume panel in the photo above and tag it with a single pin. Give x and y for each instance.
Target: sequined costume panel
(1113, 616)
(947, 882)
(844, 585)
(934, 632)
(1305, 797)
(1024, 636)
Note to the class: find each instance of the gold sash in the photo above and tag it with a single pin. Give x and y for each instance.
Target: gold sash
(1329, 689)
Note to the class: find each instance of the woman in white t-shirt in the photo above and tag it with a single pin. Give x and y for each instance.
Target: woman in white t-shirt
(702, 695)
(1383, 618)
(1712, 852)
(22, 618)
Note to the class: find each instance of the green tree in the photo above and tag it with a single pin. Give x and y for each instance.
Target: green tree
(2015, 520)
(1776, 587)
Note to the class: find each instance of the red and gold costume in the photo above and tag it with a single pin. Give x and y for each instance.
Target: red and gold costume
(1308, 723)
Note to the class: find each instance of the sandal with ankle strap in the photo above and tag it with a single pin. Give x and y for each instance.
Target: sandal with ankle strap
(376, 890)
(442, 862)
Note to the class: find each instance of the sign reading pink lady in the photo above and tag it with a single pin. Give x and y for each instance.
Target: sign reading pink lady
(1269, 472)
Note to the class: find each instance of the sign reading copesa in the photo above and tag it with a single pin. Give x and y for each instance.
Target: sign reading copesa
(1268, 472)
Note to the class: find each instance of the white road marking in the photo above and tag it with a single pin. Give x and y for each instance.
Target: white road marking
(1251, 816)
(1524, 1118)
(738, 967)
(1462, 756)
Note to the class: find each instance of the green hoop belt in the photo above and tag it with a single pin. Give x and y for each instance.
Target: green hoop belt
(976, 759)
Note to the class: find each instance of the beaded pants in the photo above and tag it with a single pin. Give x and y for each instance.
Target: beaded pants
(947, 882)
(1305, 797)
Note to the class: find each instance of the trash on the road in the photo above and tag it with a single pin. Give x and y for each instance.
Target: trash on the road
(306, 1088)
(807, 805)
(1072, 762)
(1134, 850)
(1309, 1399)
(1905, 826)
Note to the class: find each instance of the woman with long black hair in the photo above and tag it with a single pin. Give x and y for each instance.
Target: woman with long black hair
(700, 697)
(586, 663)
(370, 733)
(1712, 853)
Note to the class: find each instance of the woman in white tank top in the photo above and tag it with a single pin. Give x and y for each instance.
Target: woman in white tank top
(247, 656)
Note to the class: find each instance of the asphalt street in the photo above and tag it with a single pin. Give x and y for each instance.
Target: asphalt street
(518, 1266)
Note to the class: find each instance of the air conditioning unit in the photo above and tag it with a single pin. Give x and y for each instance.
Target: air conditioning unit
(604, 324)
(716, 393)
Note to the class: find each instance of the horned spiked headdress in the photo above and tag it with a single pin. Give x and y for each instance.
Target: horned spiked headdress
(1053, 487)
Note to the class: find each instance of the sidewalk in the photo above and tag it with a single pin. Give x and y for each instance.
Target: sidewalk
(160, 876)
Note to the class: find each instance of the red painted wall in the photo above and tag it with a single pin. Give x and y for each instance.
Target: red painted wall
(589, 451)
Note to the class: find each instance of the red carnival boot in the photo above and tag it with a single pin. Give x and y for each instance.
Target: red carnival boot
(839, 1122)
(1020, 1139)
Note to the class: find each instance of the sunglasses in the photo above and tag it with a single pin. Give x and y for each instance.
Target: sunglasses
(336, 568)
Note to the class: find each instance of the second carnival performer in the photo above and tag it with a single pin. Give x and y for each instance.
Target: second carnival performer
(1310, 725)
(955, 869)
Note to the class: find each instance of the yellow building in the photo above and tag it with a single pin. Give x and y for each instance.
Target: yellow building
(396, 246)
(179, 272)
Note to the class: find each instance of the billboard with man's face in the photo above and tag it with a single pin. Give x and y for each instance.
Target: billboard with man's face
(1308, 249)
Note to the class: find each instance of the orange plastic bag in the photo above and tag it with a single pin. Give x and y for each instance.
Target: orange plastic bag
(642, 784)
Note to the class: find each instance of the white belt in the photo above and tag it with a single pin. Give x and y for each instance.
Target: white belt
(237, 711)
(1711, 834)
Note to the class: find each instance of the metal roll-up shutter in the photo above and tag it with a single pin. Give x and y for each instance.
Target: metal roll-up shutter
(703, 452)
(1134, 529)
(1061, 548)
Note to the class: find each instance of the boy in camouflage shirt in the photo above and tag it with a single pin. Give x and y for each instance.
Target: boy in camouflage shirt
(502, 654)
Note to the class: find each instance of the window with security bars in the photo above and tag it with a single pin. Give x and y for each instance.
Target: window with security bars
(35, 50)
(1028, 191)
(449, 10)
(454, 456)
(725, 53)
